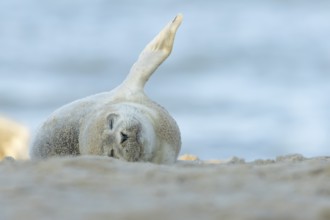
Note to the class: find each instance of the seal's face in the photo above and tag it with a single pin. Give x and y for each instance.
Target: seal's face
(124, 139)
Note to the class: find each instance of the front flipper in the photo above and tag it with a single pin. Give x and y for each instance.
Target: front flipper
(152, 56)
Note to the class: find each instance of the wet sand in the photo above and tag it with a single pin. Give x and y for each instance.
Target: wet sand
(288, 187)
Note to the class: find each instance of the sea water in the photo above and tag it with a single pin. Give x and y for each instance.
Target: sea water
(245, 78)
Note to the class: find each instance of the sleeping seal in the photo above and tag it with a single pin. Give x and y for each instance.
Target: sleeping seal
(122, 123)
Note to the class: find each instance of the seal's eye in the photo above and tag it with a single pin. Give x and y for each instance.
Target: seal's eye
(112, 119)
(111, 123)
(124, 137)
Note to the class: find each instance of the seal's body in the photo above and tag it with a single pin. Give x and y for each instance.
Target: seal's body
(123, 123)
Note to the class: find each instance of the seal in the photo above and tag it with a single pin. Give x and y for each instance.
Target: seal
(122, 123)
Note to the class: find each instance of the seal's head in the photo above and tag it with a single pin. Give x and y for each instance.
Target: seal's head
(123, 139)
(121, 132)
(126, 137)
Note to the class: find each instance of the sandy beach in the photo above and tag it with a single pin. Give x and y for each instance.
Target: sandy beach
(288, 187)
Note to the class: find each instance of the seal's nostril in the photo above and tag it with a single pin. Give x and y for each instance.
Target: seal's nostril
(124, 137)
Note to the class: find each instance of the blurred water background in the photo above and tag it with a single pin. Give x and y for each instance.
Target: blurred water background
(246, 78)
